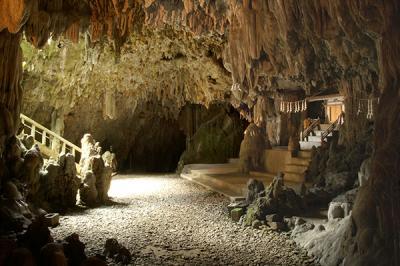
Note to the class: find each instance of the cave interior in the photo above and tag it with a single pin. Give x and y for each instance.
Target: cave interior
(288, 110)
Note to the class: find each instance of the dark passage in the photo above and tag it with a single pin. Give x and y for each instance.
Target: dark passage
(157, 148)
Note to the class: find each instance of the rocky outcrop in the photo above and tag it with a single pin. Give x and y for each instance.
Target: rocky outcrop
(59, 184)
(276, 199)
(95, 174)
(252, 149)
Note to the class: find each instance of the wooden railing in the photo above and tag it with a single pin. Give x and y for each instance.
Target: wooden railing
(334, 126)
(304, 134)
(51, 144)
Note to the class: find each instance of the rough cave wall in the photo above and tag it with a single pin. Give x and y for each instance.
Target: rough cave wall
(10, 77)
(213, 134)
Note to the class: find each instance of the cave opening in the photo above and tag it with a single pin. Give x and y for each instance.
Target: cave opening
(197, 135)
(157, 147)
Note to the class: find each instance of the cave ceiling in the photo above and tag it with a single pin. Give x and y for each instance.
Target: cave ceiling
(180, 51)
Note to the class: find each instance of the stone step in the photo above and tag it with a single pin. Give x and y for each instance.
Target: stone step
(226, 168)
(307, 145)
(294, 177)
(262, 174)
(313, 139)
(296, 168)
(304, 154)
(324, 127)
(233, 160)
(300, 161)
(317, 132)
(233, 192)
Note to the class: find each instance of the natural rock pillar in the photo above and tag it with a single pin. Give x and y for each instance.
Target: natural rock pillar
(252, 149)
(376, 212)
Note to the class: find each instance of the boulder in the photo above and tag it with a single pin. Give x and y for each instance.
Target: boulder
(256, 224)
(59, 183)
(88, 191)
(302, 228)
(10, 191)
(329, 243)
(119, 253)
(337, 182)
(21, 256)
(124, 256)
(254, 188)
(274, 218)
(365, 172)
(335, 211)
(33, 161)
(277, 226)
(236, 213)
(252, 149)
(74, 249)
(238, 204)
(259, 209)
(341, 205)
(111, 247)
(278, 199)
(53, 254)
(37, 236)
(94, 261)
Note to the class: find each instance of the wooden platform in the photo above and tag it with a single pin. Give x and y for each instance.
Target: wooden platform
(232, 185)
(226, 179)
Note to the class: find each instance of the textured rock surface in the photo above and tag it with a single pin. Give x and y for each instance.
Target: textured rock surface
(252, 149)
(95, 173)
(59, 184)
(277, 199)
(329, 243)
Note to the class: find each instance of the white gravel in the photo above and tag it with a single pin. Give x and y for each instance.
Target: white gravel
(166, 220)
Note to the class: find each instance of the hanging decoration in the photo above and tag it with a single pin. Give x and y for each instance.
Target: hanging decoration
(293, 107)
(367, 106)
(236, 87)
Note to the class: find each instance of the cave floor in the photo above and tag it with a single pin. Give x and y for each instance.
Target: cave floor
(166, 220)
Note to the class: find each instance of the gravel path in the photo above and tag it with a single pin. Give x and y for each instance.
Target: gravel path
(166, 220)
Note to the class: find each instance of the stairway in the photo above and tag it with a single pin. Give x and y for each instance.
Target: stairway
(50, 143)
(296, 167)
(314, 139)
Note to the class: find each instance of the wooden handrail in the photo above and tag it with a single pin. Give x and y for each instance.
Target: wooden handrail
(47, 134)
(310, 128)
(336, 124)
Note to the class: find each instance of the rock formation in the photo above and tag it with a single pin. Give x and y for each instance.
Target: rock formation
(276, 199)
(59, 183)
(252, 149)
(95, 173)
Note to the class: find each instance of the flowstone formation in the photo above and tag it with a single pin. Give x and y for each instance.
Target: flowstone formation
(95, 173)
(59, 183)
(252, 149)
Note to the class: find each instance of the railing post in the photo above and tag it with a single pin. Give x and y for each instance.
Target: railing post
(73, 151)
(63, 147)
(44, 138)
(33, 130)
(23, 128)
